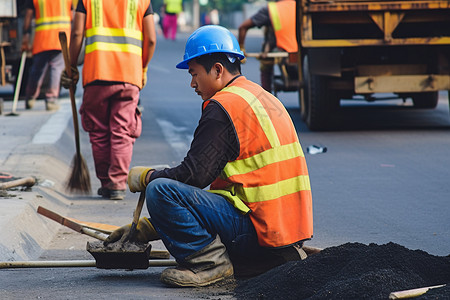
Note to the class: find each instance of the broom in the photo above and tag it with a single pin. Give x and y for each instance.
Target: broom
(79, 180)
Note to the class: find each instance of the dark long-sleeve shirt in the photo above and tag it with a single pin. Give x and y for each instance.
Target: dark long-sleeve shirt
(215, 143)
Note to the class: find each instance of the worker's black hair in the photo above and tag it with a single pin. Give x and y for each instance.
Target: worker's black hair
(208, 60)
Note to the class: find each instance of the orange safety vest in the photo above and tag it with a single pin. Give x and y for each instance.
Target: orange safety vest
(114, 40)
(282, 16)
(269, 178)
(52, 16)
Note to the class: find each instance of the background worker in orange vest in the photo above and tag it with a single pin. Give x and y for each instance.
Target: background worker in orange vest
(120, 42)
(51, 17)
(279, 32)
(258, 211)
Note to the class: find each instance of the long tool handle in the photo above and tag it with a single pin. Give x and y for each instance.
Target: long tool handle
(27, 181)
(136, 215)
(65, 51)
(72, 264)
(19, 81)
(412, 293)
(268, 55)
(71, 224)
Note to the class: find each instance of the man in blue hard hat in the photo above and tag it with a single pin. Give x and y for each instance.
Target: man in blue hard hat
(258, 210)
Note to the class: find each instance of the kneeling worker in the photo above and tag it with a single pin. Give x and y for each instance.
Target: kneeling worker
(258, 210)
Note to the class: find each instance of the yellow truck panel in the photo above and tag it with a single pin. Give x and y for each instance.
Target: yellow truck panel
(343, 45)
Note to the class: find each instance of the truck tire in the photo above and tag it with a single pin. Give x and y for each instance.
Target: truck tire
(317, 103)
(425, 100)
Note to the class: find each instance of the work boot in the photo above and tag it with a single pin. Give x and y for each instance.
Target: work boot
(104, 192)
(204, 267)
(52, 105)
(29, 103)
(117, 194)
(111, 194)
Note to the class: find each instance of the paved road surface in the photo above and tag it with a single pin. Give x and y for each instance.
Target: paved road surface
(384, 178)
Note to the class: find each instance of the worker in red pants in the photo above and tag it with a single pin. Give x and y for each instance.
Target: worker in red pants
(109, 110)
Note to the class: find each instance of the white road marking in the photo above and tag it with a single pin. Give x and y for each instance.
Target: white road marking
(53, 129)
(175, 136)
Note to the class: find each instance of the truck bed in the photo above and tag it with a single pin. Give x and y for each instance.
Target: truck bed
(350, 23)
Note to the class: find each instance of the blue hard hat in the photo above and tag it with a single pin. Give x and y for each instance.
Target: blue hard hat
(210, 39)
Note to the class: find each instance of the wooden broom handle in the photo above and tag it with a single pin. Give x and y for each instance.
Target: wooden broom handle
(65, 52)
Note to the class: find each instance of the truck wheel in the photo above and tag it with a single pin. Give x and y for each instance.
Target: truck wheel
(317, 103)
(425, 100)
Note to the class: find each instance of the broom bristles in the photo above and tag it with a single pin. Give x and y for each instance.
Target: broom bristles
(79, 181)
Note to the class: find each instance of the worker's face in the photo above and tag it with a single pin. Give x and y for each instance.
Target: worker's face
(205, 84)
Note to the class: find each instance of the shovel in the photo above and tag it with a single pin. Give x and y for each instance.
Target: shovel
(123, 254)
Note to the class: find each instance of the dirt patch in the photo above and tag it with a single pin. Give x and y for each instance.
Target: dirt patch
(352, 271)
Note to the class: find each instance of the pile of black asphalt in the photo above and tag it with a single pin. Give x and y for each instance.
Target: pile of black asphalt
(352, 271)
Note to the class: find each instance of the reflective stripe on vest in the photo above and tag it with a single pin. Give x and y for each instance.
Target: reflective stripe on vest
(114, 41)
(52, 23)
(282, 16)
(270, 174)
(52, 16)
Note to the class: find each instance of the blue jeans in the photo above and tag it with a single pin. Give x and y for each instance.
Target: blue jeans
(188, 219)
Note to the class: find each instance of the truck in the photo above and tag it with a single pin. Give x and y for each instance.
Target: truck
(364, 49)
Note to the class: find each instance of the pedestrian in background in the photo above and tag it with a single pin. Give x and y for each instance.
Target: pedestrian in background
(278, 19)
(170, 21)
(120, 42)
(51, 17)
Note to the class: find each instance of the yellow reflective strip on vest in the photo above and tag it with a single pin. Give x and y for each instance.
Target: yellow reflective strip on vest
(270, 156)
(277, 190)
(60, 19)
(132, 33)
(52, 26)
(97, 13)
(63, 7)
(273, 10)
(259, 111)
(233, 199)
(114, 47)
(42, 11)
(132, 8)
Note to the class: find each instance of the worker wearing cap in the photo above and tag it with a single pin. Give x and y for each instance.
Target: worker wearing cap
(258, 210)
(120, 42)
(278, 18)
(51, 17)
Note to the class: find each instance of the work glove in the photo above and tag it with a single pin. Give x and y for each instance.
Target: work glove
(145, 232)
(67, 81)
(144, 76)
(136, 178)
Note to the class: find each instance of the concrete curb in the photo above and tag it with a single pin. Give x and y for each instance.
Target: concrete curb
(23, 232)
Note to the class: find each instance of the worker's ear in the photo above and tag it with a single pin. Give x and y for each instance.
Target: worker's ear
(217, 70)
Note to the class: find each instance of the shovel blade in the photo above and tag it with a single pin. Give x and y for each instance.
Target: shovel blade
(128, 256)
